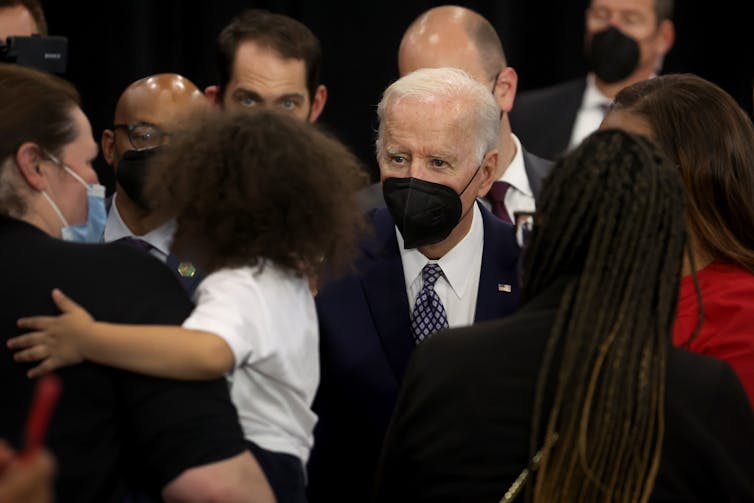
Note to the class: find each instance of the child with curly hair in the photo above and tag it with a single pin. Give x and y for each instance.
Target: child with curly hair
(262, 202)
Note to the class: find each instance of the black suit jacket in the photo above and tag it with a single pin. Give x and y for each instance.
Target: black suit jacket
(537, 170)
(108, 422)
(462, 423)
(543, 119)
(365, 345)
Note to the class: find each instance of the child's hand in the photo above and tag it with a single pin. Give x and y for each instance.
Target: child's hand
(54, 339)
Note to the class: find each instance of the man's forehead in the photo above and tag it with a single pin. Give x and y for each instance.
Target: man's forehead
(155, 106)
(255, 63)
(16, 21)
(643, 6)
(437, 125)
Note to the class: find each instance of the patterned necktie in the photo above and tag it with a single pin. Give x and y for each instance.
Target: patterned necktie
(496, 196)
(429, 314)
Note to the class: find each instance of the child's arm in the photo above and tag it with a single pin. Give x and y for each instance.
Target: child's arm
(162, 351)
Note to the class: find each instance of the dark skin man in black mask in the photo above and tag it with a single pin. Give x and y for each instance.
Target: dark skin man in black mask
(147, 113)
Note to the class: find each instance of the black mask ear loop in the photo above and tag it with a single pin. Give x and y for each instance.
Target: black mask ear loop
(698, 289)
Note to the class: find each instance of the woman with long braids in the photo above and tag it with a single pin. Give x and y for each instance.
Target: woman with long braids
(710, 139)
(580, 396)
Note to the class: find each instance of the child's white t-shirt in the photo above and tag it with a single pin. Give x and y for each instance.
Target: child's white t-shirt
(268, 318)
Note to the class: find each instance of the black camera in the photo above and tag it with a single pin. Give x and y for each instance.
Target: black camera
(42, 52)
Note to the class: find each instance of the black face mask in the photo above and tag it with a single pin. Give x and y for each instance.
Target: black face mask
(613, 55)
(132, 173)
(424, 212)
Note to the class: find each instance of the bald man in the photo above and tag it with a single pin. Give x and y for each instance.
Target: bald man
(461, 38)
(146, 114)
(21, 18)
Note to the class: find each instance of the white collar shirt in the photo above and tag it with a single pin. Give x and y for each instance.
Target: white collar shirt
(591, 113)
(160, 238)
(459, 284)
(519, 196)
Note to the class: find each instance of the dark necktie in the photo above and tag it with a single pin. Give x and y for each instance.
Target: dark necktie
(429, 314)
(496, 196)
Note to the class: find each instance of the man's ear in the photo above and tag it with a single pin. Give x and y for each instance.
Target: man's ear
(213, 95)
(667, 36)
(108, 147)
(487, 172)
(318, 103)
(28, 157)
(505, 88)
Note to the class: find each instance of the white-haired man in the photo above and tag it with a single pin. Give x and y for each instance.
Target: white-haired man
(437, 259)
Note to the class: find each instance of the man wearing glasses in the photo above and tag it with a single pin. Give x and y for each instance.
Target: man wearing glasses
(145, 116)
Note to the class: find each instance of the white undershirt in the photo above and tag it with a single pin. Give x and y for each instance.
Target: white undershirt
(590, 115)
(459, 285)
(160, 238)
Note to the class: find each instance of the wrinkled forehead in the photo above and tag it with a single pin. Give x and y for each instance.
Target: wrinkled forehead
(436, 122)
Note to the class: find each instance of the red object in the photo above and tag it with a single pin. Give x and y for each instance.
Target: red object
(727, 331)
(45, 398)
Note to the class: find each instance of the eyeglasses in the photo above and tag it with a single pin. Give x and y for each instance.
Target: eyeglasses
(143, 134)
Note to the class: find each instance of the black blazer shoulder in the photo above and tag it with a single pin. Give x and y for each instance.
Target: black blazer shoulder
(470, 390)
(543, 118)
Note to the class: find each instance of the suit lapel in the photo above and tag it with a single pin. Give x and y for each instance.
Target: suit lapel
(385, 291)
(498, 281)
(536, 170)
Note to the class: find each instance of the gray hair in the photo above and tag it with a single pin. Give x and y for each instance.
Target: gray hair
(428, 84)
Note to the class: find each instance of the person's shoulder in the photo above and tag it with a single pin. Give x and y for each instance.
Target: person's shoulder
(516, 339)
(696, 382)
(546, 95)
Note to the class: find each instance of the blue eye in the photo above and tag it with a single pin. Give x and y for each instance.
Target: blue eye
(398, 159)
(438, 163)
(247, 101)
(288, 104)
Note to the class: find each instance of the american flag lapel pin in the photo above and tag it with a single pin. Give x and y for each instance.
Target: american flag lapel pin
(504, 287)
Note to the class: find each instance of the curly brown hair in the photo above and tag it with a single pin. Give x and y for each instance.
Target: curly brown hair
(245, 187)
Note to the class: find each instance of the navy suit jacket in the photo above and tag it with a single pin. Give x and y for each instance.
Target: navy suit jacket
(189, 283)
(365, 347)
(543, 119)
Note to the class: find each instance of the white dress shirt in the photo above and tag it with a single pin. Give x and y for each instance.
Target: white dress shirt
(591, 113)
(519, 196)
(459, 285)
(160, 238)
(267, 317)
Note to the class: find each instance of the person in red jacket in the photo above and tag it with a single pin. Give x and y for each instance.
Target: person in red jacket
(711, 140)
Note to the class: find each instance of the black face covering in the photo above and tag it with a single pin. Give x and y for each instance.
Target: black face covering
(132, 172)
(613, 55)
(424, 212)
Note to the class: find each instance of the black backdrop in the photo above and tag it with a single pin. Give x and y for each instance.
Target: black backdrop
(111, 44)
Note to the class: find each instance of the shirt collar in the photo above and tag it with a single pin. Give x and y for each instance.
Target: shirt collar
(161, 237)
(593, 97)
(515, 173)
(454, 264)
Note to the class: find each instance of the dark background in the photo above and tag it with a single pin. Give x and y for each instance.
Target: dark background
(111, 44)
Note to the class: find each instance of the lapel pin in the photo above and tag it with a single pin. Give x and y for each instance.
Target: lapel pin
(187, 270)
(504, 287)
